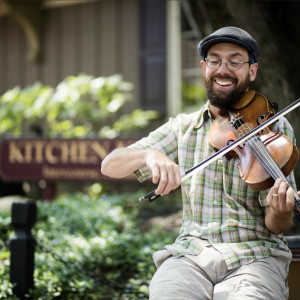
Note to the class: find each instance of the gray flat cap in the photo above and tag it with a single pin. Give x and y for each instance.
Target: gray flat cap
(232, 35)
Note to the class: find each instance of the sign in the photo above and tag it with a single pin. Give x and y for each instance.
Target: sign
(55, 159)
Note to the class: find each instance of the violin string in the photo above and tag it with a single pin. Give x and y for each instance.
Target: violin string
(262, 153)
(243, 128)
(276, 172)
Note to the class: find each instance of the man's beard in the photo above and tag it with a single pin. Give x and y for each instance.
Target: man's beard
(222, 99)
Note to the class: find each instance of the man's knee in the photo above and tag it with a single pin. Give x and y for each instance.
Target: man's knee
(258, 280)
(179, 278)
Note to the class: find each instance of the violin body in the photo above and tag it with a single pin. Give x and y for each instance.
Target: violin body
(252, 110)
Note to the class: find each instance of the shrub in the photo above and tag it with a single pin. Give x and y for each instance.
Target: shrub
(89, 247)
(79, 106)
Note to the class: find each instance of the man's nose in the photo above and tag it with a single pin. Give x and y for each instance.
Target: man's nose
(223, 67)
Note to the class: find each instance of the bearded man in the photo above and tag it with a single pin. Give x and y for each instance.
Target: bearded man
(231, 243)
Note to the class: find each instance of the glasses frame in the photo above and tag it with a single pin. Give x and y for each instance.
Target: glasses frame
(227, 64)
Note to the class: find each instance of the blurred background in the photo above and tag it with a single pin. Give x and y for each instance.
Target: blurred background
(54, 53)
(117, 69)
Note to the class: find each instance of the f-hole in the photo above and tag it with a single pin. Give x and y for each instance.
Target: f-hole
(259, 120)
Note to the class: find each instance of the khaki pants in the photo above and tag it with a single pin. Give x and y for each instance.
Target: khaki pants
(205, 276)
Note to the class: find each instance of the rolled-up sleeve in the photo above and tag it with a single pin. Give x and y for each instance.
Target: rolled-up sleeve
(163, 139)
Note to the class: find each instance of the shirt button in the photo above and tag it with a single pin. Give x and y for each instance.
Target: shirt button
(215, 202)
(215, 240)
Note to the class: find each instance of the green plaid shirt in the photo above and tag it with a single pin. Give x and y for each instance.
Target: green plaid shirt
(219, 208)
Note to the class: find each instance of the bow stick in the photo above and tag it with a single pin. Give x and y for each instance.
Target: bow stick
(190, 172)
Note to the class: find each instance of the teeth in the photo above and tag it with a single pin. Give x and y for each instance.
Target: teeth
(223, 83)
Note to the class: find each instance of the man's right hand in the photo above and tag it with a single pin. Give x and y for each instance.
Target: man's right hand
(165, 172)
(123, 162)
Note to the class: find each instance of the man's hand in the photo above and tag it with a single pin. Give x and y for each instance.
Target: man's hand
(279, 211)
(165, 172)
(281, 197)
(123, 161)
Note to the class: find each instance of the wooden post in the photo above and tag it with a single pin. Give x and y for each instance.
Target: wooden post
(22, 246)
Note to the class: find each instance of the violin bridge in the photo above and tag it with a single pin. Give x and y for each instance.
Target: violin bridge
(240, 126)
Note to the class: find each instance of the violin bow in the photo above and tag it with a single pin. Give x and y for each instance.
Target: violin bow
(190, 172)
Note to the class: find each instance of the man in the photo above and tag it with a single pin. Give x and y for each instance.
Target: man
(230, 244)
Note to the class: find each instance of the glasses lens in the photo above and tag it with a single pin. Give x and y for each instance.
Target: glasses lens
(234, 65)
(215, 63)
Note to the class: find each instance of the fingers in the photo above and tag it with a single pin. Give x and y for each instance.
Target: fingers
(155, 173)
(281, 196)
(290, 200)
(169, 180)
(165, 172)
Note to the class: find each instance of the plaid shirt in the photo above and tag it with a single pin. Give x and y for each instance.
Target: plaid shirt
(219, 208)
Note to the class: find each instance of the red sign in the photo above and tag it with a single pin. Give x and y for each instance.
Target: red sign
(55, 159)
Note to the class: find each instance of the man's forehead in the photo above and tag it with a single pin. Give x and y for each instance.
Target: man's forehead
(228, 49)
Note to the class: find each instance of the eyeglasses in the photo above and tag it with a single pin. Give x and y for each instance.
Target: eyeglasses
(233, 65)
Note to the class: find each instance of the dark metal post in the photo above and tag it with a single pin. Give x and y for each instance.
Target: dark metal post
(22, 246)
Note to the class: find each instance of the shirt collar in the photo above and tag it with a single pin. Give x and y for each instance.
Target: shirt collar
(204, 114)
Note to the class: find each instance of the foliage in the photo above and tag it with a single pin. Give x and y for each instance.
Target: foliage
(193, 96)
(5, 232)
(89, 247)
(129, 123)
(77, 106)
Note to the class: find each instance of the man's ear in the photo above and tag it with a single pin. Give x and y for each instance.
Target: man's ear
(253, 71)
(203, 65)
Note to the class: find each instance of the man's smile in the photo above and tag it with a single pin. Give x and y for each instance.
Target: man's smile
(224, 82)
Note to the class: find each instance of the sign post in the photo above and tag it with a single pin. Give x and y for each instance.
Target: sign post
(22, 247)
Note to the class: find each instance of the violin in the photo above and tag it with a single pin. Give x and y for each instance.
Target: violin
(245, 130)
(262, 154)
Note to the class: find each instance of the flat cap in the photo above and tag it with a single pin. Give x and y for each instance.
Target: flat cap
(232, 35)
